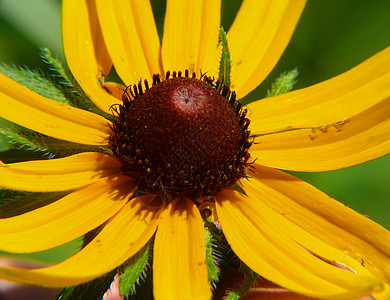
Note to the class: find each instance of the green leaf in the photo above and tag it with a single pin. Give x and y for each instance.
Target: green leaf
(20, 140)
(60, 86)
(7, 197)
(13, 203)
(70, 86)
(284, 83)
(4, 144)
(232, 295)
(134, 270)
(93, 290)
(34, 80)
(225, 62)
(34, 141)
(61, 72)
(212, 257)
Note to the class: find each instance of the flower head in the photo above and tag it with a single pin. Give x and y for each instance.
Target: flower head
(155, 159)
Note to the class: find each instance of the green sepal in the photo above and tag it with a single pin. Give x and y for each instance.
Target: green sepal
(35, 80)
(22, 140)
(284, 83)
(232, 295)
(34, 141)
(70, 87)
(225, 62)
(92, 290)
(62, 73)
(7, 197)
(60, 86)
(13, 203)
(212, 257)
(134, 270)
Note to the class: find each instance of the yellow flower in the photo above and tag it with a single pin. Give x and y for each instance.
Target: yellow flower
(282, 228)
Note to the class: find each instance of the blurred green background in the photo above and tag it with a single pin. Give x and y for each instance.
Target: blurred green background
(331, 37)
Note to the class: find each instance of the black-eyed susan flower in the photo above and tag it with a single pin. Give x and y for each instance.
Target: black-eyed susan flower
(160, 151)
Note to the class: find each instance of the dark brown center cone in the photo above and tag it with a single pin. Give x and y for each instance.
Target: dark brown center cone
(181, 137)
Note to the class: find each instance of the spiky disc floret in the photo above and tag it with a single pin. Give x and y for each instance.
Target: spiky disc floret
(182, 136)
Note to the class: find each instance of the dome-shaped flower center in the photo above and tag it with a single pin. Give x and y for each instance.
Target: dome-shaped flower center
(183, 136)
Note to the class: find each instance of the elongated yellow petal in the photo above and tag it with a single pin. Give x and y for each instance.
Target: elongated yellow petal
(359, 139)
(20, 105)
(85, 50)
(323, 217)
(122, 237)
(114, 89)
(384, 295)
(66, 219)
(58, 174)
(208, 60)
(191, 36)
(337, 123)
(179, 261)
(131, 37)
(257, 39)
(286, 254)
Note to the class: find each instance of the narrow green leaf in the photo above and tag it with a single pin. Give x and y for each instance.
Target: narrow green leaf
(70, 87)
(4, 144)
(212, 257)
(34, 141)
(60, 86)
(225, 62)
(25, 141)
(13, 203)
(284, 83)
(134, 270)
(232, 295)
(34, 80)
(61, 72)
(7, 197)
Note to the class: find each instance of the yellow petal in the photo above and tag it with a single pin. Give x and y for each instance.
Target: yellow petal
(191, 32)
(359, 139)
(122, 237)
(284, 253)
(337, 123)
(58, 174)
(324, 217)
(179, 261)
(114, 89)
(131, 37)
(384, 295)
(66, 219)
(85, 50)
(20, 105)
(257, 39)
